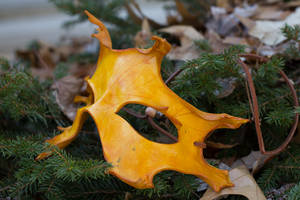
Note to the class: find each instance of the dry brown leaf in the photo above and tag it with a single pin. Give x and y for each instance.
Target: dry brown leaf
(44, 60)
(271, 13)
(235, 40)
(186, 16)
(143, 37)
(291, 4)
(225, 23)
(254, 161)
(269, 32)
(187, 35)
(82, 70)
(224, 4)
(245, 185)
(222, 22)
(215, 41)
(248, 23)
(227, 86)
(65, 91)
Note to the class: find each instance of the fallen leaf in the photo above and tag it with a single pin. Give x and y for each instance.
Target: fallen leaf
(222, 23)
(254, 161)
(44, 59)
(143, 37)
(186, 16)
(266, 50)
(187, 35)
(226, 24)
(224, 4)
(246, 11)
(244, 184)
(248, 23)
(227, 86)
(235, 40)
(82, 70)
(65, 90)
(269, 31)
(291, 4)
(271, 13)
(215, 41)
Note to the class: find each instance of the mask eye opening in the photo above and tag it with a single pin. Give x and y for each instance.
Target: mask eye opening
(157, 127)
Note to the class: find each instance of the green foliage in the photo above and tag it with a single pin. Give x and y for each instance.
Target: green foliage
(292, 33)
(294, 193)
(203, 45)
(22, 97)
(281, 170)
(216, 83)
(200, 76)
(51, 175)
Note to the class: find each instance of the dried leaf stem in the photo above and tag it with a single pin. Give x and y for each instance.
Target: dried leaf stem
(163, 131)
(255, 110)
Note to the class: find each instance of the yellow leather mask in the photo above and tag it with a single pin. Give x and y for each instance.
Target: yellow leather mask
(133, 76)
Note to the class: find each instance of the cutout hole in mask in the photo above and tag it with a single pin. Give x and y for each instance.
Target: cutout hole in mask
(144, 127)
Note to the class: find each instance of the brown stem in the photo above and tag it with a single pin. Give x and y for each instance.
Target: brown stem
(153, 124)
(254, 56)
(172, 76)
(131, 112)
(163, 131)
(255, 111)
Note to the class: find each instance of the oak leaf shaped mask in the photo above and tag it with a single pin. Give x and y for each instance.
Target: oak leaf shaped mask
(133, 76)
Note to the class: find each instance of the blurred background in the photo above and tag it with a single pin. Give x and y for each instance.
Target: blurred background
(22, 21)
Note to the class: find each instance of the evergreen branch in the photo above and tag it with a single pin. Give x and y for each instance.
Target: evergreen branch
(97, 192)
(269, 177)
(294, 193)
(161, 130)
(287, 167)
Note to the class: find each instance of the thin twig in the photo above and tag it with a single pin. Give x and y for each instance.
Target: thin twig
(254, 56)
(248, 96)
(173, 75)
(256, 110)
(163, 131)
(137, 115)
